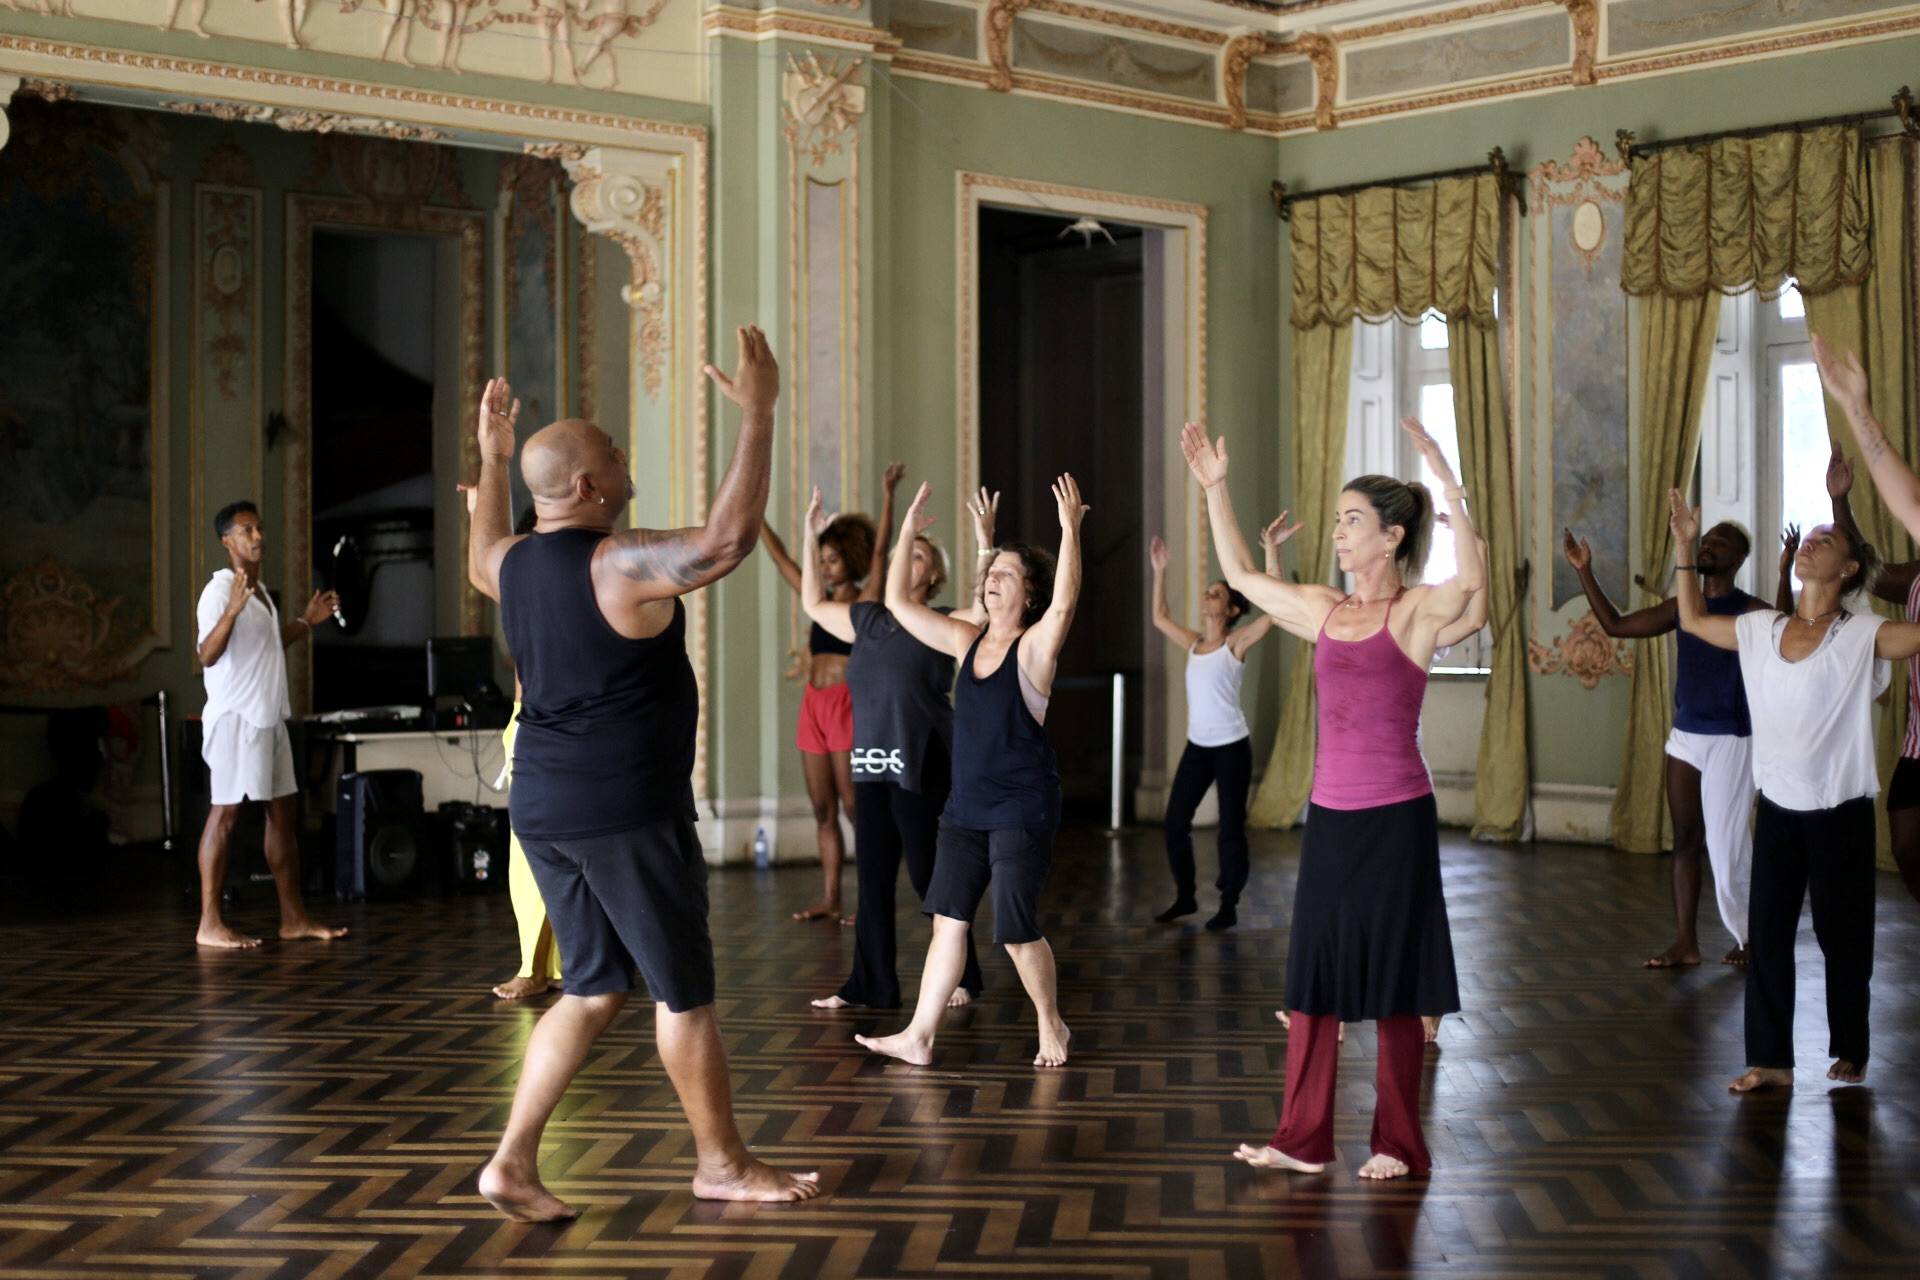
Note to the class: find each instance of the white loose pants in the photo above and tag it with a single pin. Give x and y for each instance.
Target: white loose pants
(1725, 763)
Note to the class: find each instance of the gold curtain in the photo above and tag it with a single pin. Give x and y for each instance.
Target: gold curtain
(1322, 366)
(1502, 784)
(1676, 348)
(1380, 252)
(1875, 319)
(1388, 250)
(1739, 213)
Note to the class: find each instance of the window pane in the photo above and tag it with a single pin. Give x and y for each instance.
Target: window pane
(1804, 448)
(1792, 305)
(1433, 332)
(1436, 411)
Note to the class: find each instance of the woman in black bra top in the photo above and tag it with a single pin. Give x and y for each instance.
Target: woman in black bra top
(850, 565)
(1004, 806)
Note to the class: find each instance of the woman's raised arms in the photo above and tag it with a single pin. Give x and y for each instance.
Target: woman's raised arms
(938, 631)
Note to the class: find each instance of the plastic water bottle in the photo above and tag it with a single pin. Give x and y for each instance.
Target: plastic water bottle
(762, 850)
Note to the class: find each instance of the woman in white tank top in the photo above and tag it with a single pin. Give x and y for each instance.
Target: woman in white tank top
(1218, 753)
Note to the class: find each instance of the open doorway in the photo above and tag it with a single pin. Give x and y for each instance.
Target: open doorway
(1062, 388)
(374, 385)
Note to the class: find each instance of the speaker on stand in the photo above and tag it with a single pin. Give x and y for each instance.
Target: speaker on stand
(381, 843)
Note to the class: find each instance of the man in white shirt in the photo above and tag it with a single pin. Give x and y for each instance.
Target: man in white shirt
(241, 649)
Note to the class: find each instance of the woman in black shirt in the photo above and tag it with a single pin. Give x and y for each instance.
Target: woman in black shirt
(902, 752)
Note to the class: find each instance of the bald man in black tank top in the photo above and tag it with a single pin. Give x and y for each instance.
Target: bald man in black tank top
(602, 793)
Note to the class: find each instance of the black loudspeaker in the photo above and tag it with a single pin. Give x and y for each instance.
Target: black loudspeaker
(476, 838)
(381, 844)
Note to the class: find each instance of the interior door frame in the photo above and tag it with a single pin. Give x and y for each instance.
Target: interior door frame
(1175, 269)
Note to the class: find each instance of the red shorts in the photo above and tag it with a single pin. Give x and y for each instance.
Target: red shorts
(826, 720)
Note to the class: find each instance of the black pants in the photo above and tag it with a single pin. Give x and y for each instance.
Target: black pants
(889, 823)
(1230, 768)
(1829, 851)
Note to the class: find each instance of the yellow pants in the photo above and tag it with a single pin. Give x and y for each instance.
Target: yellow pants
(529, 909)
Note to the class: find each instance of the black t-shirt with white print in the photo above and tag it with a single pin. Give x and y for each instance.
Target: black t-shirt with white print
(901, 699)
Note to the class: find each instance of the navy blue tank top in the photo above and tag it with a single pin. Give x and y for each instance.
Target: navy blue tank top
(606, 730)
(1004, 771)
(1708, 696)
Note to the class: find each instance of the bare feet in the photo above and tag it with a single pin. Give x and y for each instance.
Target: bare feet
(756, 1181)
(1677, 956)
(833, 1002)
(1846, 1073)
(523, 988)
(1380, 1168)
(519, 1194)
(902, 1045)
(960, 998)
(1762, 1078)
(1272, 1158)
(822, 910)
(1287, 1021)
(303, 928)
(218, 935)
(1053, 1045)
(1736, 956)
(1431, 1026)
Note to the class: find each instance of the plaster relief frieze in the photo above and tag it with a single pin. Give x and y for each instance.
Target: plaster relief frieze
(1324, 54)
(821, 104)
(1585, 15)
(1000, 17)
(1051, 49)
(1585, 652)
(305, 121)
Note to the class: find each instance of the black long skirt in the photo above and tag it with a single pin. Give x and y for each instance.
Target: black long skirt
(1370, 937)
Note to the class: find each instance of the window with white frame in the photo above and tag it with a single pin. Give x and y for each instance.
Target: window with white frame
(1764, 388)
(1400, 369)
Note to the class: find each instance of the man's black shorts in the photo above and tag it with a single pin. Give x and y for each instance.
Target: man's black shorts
(635, 900)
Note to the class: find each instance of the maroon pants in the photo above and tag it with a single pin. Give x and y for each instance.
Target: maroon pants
(1313, 1063)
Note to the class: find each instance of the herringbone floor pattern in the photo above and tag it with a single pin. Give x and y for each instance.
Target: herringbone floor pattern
(320, 1111)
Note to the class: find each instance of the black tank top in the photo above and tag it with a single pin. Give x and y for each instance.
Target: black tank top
(606, 732)
(820, 640)
(1004, 771)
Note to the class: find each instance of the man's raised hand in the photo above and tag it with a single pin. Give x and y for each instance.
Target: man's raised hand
(1839, 475)
(755, 383)
(1844, 376)
(1207, 460)
(1157, 553)
(499, 411)
(238, 593)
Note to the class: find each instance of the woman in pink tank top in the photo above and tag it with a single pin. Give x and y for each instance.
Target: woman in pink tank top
(1369, 940)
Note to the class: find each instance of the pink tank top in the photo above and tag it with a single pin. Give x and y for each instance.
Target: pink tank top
(1369, 693)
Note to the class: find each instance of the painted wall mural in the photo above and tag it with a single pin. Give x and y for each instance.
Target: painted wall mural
(1577, 363)
(83, 588)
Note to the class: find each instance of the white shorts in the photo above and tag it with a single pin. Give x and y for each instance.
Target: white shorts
(246, 763)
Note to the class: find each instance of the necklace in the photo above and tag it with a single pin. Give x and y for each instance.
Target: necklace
(1817, 620)
(1355, 602)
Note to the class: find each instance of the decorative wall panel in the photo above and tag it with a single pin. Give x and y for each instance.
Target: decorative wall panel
(1280, 89)
(931, 27)
(1642, 26)
(531, 224)
(224, 365)
(1535, 43)
(84, 589)
(1052, 49)
(1577, 360)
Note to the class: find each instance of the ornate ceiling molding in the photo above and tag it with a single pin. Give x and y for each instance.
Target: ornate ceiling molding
(306, 121)
(726, 21)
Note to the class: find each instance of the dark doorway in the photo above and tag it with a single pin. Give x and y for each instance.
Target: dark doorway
(372, 458)
(1061, 367)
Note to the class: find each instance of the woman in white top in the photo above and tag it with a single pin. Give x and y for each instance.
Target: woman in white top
(1811, 677)
(1218, 753)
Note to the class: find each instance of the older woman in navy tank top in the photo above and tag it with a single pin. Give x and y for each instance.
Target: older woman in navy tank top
(997, 831)
(1369, 940)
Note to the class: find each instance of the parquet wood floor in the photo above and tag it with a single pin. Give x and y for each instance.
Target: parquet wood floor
(320, 1111)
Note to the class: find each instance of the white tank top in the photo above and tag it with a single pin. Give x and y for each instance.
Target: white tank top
(1214, 717)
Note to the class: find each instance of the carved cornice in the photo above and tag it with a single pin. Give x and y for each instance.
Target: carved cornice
(506, 116)
(1131, 22)
(612, 198)
(1325, 56)
(1436, 18)
(768, 24)
(307, 121)
(1235, 60)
